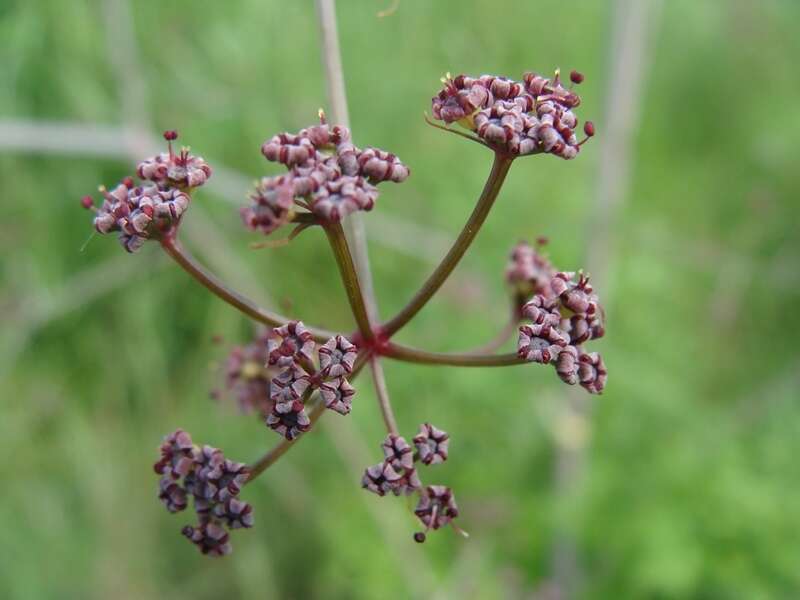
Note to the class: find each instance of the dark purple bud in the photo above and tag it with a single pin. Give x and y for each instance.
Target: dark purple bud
(432, 444)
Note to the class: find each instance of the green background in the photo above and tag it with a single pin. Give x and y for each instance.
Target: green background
(681, 481)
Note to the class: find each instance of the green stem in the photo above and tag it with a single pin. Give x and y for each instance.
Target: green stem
(423, 357)
(494, 182)
(347, 269)
(188, 263)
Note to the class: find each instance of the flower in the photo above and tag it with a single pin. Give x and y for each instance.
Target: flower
(287, 387)
(432, 444)
(518, 118)
(248, 377)
(540, 343)
(397, 452)
(139, 213)
(337, 395)
(181, 170)
(210, 537)
(273, 201)
(380, 478)
(177, 455)
(296, 342)
(292, 423)
(592, 372)
(336, 356)
(327, 174)
(436, 507)
(213, 482)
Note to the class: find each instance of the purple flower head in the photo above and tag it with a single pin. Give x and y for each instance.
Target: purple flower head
(518, 118)
(288, 387)
(337, 395)
(380, 478)
(340, 197)
(288, 149)
(567, 365)
(234, 513)
(577, 296)
(272, 204)
(378, 165)
(292, 423)
(592, 372)
(542, 310)
(336, 357)
(248, 377)
(139, 213)
(432, 444)
(528, 272)
(177, 455)
(168, 169)
(436, 507)
(540, 343)
(217, 478)
(293, 342)
(210, 537)
(172, 494)
(398, 452)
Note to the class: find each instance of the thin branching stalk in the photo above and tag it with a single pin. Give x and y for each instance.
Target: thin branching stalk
(188, 263)
(491, 189)
(423, 357)
(382, 391)
(350, 279)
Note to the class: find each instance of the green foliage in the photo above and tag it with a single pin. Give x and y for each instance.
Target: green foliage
(687, 486)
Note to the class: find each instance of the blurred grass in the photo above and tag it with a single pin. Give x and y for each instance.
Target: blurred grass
(691, 488)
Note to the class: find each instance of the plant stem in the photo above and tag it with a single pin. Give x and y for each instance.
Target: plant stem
(188, 263)
(423, 357)
(347, 269)
(492, 187)
(382, 392)
(282, 447)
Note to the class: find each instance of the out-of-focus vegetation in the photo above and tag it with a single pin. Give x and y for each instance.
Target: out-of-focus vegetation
(681, 481)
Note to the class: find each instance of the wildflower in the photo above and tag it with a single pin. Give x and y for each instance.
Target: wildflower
(336, 356)
(217, 478)
(432, 444)
(518, 118)
(380, 478)
(234, 513)
(172, 494)
(337, 395)
(592, 372)
(288, 149)
(378, 165)
(210, 537)
(289, 386)
(182, 170)
(340, 197)
(296, 342)
(248, 377)
(272, 207)
(292, 423)
(397, 452)
(542, 310)
(177, 455)
(540, 343)
(436, 507)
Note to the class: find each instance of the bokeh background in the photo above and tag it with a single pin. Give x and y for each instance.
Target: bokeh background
(681, 481)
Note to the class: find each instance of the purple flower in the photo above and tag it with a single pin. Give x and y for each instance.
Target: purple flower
(378, 165)
(272, 204)
(540, 343)
(336, 357)
(432, 444)
(337, 395)
(380, 478)
(181, 170)
(289, 386)
(592, 372)
(172, 494)
(436, 507)
(177, 455)
(398, 452)
(234, 513)
(340, 197)
(210, 537)
(248, 377)
(288, 149)
(292, 423)
(294, 342)
(567, 365)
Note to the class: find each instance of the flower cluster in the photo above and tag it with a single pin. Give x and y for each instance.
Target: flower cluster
(212, 481)
(248, 376)
(291, 348)
(154, 208)
(564, 314)
(327, 175)
(528, 273)
(515, 117)
(397, 474)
